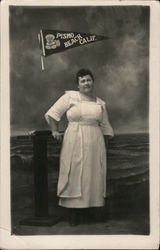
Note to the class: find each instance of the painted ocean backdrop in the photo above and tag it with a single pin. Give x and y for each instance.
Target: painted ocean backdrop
(127, 181)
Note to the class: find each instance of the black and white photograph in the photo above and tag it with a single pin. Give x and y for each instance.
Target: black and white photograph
(80, 135)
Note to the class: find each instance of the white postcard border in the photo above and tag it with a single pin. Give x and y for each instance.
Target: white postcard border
(83, 241)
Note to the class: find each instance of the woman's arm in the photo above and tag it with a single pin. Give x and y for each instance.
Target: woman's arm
(54, 128)
(54, 114)
(105, 124)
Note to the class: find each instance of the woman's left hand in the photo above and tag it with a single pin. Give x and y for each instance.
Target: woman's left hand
(57, 136)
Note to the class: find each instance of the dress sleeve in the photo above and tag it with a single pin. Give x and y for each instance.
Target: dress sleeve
(59, 108)
(105, 124)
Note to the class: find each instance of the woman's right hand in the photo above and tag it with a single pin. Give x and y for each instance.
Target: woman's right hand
(57, 136)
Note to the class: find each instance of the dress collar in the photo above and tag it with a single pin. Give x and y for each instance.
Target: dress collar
(76, 95)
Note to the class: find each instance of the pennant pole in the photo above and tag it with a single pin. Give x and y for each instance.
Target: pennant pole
(42, 63)
(41, 40)
(41, 57)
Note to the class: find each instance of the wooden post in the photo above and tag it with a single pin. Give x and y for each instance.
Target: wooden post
(41, 217)
(40, 174)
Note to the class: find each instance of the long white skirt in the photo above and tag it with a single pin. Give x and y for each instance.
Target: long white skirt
(93, 169)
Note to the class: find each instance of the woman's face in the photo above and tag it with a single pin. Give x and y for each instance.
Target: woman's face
(85, 84)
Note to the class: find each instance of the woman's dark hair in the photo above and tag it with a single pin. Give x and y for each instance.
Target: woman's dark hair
(84, 72)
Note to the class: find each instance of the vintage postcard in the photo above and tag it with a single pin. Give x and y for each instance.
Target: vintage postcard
(80, 124)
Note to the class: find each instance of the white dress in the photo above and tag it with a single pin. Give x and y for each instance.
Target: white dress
(82, 175)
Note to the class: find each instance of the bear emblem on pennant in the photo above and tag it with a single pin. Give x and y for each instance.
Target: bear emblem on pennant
(51, 43)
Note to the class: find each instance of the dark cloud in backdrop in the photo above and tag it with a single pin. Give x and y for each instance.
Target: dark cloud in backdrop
(120, 65)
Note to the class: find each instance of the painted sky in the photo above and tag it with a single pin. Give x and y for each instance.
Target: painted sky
(120, 65)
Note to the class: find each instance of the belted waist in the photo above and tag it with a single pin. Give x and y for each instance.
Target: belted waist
(85, 123)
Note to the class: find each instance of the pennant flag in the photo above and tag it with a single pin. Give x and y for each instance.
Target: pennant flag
(54, 41)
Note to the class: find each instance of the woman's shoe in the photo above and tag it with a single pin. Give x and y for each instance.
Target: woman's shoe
(83, 216)
(73, 223)
(73, 220)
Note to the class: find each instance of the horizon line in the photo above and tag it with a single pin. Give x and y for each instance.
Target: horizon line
(116, 133)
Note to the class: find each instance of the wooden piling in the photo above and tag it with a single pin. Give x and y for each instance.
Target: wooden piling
(41, 216)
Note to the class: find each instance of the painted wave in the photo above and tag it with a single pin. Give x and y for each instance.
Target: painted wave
(127, 157)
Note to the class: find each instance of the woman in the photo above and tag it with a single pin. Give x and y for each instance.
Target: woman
(82, 176)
